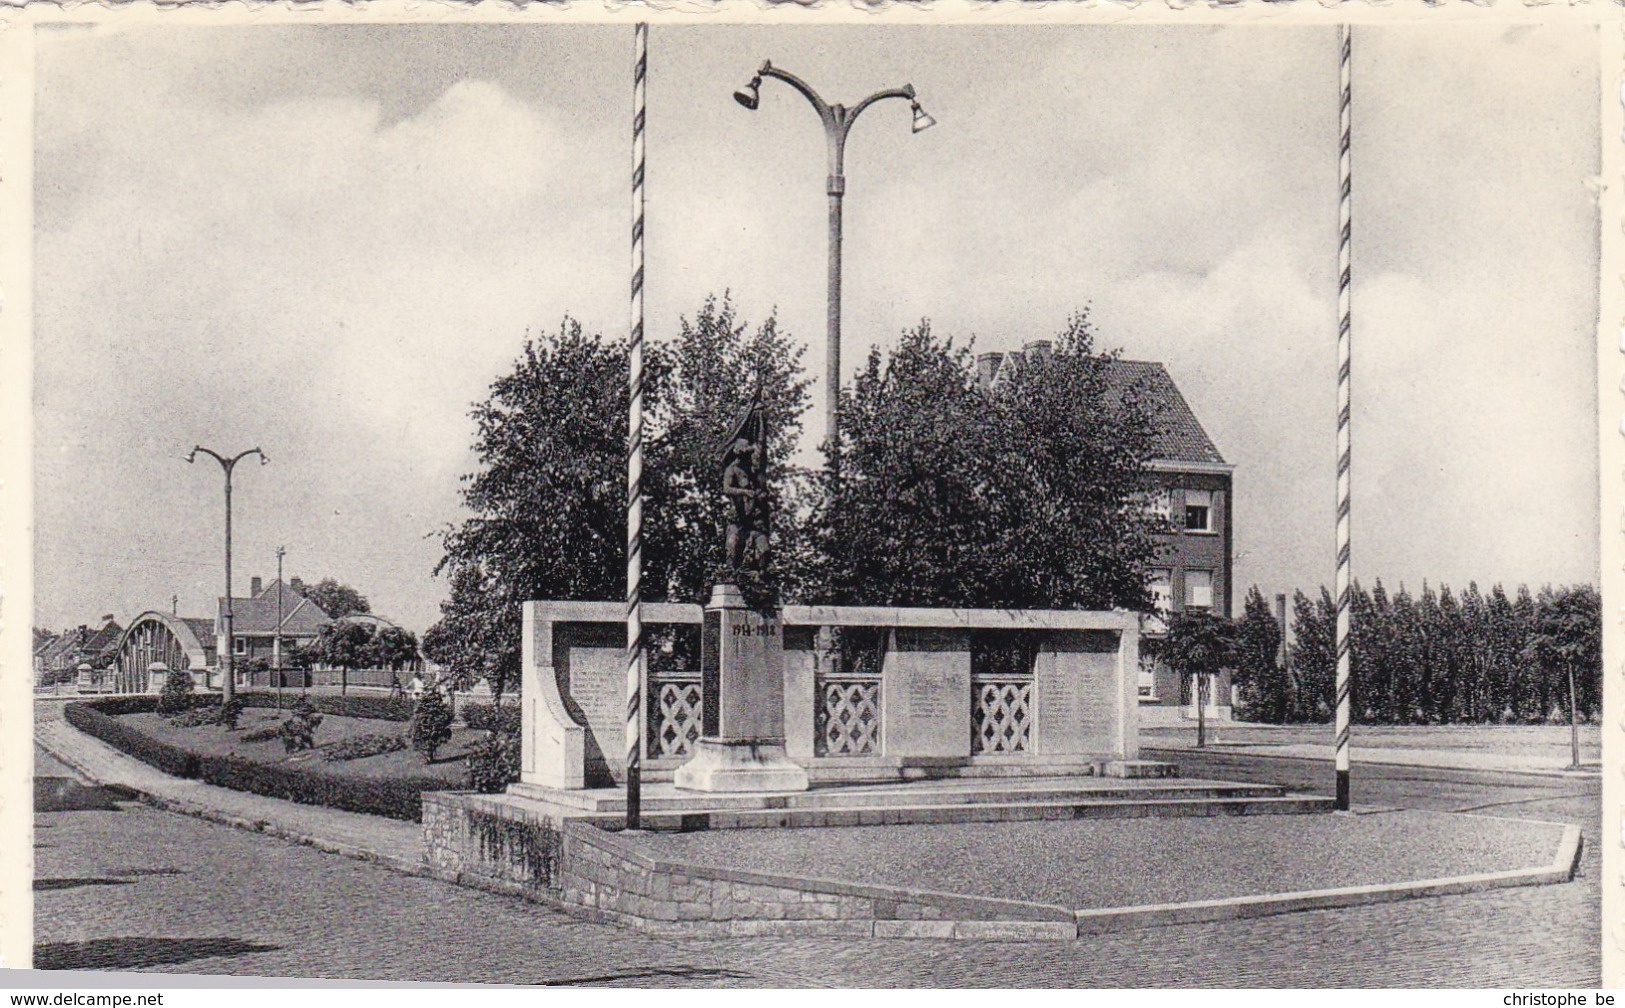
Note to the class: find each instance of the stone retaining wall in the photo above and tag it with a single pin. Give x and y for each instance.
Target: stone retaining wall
(489, 843)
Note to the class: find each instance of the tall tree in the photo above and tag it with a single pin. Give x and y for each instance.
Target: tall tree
(1022, 496)
(338, 600)
(548, 500)
(1258, 671)
(1314, 654)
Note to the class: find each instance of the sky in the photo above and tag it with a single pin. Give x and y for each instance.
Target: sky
(329, 241)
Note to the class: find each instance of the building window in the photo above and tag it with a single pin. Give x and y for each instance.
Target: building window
(1199, 589)
(1162, 589)
(1198, 510)
(1160, 583)
(239, 645)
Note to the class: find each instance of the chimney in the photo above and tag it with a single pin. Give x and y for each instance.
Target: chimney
(107, 618)
(297, 585)
(987, 365)
(254, 586)
(1037, 349)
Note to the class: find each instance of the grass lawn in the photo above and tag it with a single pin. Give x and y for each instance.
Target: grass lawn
(217, 741)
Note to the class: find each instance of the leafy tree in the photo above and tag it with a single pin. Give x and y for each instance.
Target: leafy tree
(548, 500)
(1314, 655)
(395, 648)
(1265, 690)
(949, 494)
(1200, 645)
(338, 600)
(345, 646)
(431, 723)
(298, 732)
(1567, 644)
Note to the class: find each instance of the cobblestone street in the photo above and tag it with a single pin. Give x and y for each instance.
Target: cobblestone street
(124, 886)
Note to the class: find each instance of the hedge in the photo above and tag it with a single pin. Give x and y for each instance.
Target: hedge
(96, 719)
(394, 797)
(373, 708)
(489, 717)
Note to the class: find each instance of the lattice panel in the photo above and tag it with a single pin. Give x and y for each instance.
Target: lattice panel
(676, 724)
(1001, 716)
(849, 718)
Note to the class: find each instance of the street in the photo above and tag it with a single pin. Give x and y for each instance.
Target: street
(120, 885)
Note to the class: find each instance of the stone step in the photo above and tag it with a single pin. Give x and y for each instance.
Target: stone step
(894, 796)
(1009, 812)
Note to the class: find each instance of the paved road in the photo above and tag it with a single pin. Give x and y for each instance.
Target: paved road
(124, 886)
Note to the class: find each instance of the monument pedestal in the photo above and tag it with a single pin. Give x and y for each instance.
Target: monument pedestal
(740, 765)
(742, 668)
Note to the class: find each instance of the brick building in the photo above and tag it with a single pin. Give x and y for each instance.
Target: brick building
(1190, 489)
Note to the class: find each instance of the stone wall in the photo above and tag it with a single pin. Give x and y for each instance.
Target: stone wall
(493, 843)
(1076, 706)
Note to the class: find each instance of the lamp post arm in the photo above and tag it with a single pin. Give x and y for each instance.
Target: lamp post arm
(824, 111)
(906, 91)
(833, 117)
(224, 463)
(252, 451)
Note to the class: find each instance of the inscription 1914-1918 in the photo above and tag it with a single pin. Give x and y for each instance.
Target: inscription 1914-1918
(767, 628)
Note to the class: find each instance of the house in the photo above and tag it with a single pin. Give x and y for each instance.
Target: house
(255, 622)
(1190, 492)
(81, 646)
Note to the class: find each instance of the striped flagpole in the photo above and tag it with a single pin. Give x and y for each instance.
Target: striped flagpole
(634, 456)
(1344, 332)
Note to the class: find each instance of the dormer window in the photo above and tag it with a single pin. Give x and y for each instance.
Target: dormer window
(1198, 511)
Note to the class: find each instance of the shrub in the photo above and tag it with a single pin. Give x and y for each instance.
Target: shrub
(176, 696)
(491, 717)
(197, 717)
(230, 713)
(493, 762)
(361, 747)
(431, 724)
(168, 758)
(299, 731)
(376, 708)
(265, 734)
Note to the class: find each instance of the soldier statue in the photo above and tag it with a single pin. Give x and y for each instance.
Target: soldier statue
(744, 484)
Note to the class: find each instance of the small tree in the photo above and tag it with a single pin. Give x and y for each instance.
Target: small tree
(394, 649)
(345, 646)
(431, 723)
(1200, 644)
(1568, 641)
(299, 731)
(176, 696)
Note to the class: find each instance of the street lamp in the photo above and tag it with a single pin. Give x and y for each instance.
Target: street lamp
(227, 665)
(837, 120)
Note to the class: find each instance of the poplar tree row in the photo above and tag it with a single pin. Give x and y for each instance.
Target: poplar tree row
(1437, 657)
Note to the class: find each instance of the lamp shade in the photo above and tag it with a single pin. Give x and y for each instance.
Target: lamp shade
(922, 121)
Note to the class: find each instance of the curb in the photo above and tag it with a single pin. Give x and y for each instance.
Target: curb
(1584, 773)
(1562, 868)
(1082, 923)
(195, 810)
